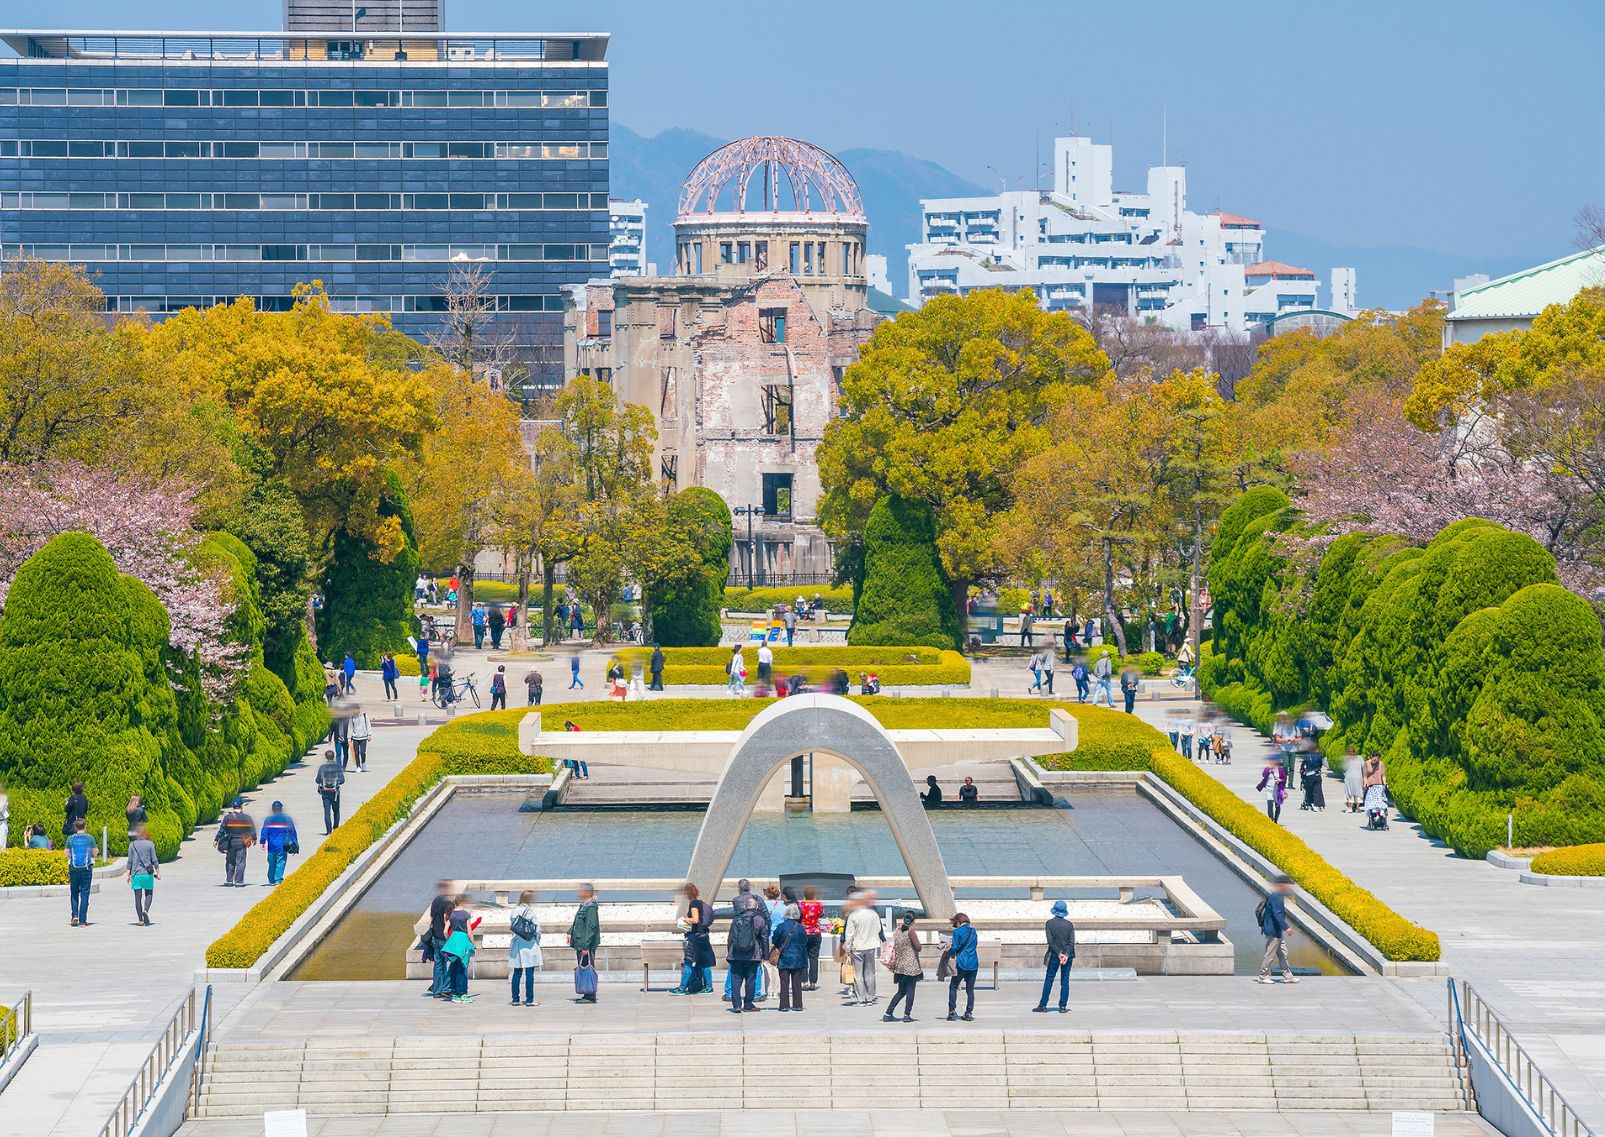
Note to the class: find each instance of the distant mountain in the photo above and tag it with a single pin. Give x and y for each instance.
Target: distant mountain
(1389, 276)
(652, 169)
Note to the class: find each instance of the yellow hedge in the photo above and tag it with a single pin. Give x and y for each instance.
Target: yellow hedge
(27, 867)
(896, 666)
(1574, 860)
(461, 747)
(1113, 746)
(837, 600)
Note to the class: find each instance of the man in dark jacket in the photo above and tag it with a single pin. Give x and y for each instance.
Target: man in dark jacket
(656, 668)
(235, 834)
(75, 809)
(747, 947)
(1058, 958)
(585, 933)
(1275, 926)
(330, 778)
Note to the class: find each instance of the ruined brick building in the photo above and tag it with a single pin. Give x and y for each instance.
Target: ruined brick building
(739, 354)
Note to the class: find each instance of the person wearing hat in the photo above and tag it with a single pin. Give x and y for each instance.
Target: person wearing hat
(1061, 953)
(1103, 671)
(280, 840)
(235, 834)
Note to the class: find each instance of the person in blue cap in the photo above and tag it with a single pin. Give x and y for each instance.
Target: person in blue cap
(1061, 953)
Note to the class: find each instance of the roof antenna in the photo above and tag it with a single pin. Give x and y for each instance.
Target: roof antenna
(1164, 136)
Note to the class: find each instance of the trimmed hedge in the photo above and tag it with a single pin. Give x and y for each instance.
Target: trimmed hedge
(904, 597)
(1576, 860)
(25, 867)
(837, 600)
(368, 599)
(685, 611)
(1133, 745)
(896, 666)
(467, 746)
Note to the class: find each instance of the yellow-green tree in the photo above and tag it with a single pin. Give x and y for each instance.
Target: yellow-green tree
(944, 406)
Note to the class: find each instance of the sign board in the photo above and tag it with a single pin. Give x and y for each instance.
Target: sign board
(1411, 1124)
(285, 1123)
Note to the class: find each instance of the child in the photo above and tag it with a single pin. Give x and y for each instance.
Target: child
(459, 950)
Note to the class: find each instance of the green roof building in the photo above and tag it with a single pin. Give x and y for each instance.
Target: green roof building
(1511, 302)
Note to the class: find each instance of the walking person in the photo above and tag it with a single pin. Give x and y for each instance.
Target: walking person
(533, 682)
(789, 954)
(1035, 667)
(235, 834)
(497, 623)
(1186, 727)
(1047, 668)
(1275, 926)
(696, 972)
(1285, 735)
(279, 841)
(1374, 775)
(657, 668)
(1078, 672)
(360, 732)
(1273, 784)
(74, 810)
(330, 777)
(906, 969)
(746, 947)
(789, 619)
(1312, 772)
(1130, 682)
(1353, 782)
(81, 854)
(961, 949)
(340, 736)
(498, 689)
(811, 911)
(766, 663)
(585, 936)
(1102, 671)
(135, 813)
(389, 672)
(476, 617)
(736, 669)
(576, 621)
(1059, 956)
(348, 674)
(143, 873)
(574, 673)
(861, 938)
(524, 949)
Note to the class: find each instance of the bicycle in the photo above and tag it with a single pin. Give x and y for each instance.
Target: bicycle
(1182, 676)
(456, 691)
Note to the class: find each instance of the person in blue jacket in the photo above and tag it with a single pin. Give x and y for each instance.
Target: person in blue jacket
(348, 672)
(966, 962)
(278, 837)
(1274, 925)
(792, 942)
(389, 672)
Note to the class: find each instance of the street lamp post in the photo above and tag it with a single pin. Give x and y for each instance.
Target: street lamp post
(750, 511)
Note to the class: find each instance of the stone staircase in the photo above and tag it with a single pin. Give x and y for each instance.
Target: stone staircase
(900, 1068)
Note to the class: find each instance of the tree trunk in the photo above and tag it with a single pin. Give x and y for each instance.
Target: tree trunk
(1111, 618)
(1195, 611)
(961, 601)
(521, 633)
(548, 585)
(312, 625)
(465, 603)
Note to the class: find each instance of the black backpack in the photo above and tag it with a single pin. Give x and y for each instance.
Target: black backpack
(744, 934)
(329, 783)
(1259, 914)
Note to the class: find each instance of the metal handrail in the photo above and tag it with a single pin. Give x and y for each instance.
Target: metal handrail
(200, 1054)
(1470, 1012)
(18, 1026)
(168, 1050)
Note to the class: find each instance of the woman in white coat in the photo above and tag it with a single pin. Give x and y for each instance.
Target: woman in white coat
(524, 952)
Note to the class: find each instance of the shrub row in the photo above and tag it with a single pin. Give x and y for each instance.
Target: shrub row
(27, 867)
(835, 599)
(1576, 860)
(1132, 745)
(462, 747)
(896, 666)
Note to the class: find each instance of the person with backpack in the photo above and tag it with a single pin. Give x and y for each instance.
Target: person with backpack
(81, 854)
(340, 737)
(789, 953)
(143, 873)
(279, 841)
(389, 672)
(585, 936)
(1078, 672)
(747, 946)
(235, 834)
(524, 950)
(1059, 957)
(1273, 784)
(498, 688)
(861, 940)
(533, 683)
(961, 950)
(1102, 671)
(360, 732)
(1276, 927)
(1130, 681)
(330, 777)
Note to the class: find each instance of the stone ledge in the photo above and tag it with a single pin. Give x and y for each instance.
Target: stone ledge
(1503, 860)
(1550, 881)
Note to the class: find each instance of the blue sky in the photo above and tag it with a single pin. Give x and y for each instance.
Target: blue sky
(1469, 127)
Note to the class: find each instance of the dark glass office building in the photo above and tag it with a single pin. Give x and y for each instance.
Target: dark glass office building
(189, 169)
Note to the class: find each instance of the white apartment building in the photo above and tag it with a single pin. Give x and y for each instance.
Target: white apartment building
(1084, 244)
(626, 223)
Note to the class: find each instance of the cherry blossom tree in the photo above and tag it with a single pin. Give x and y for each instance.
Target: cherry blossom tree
(147, 528)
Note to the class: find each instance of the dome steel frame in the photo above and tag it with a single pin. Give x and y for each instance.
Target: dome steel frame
(817, 180)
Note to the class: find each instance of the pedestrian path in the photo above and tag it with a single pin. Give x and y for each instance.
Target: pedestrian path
(102, 993)
(1533, 953)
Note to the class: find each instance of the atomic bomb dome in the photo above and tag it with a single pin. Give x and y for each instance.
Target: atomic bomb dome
(771, 174)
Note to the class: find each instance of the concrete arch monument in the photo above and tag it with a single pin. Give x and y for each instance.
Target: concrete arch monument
(820, 724)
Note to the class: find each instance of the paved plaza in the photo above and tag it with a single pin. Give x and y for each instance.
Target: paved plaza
(102, 993)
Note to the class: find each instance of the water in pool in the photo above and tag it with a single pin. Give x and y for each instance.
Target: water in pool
(483, 836)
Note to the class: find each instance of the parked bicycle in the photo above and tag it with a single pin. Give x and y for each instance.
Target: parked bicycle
(456, 691)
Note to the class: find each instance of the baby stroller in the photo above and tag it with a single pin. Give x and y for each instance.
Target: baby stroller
(1376, 807)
